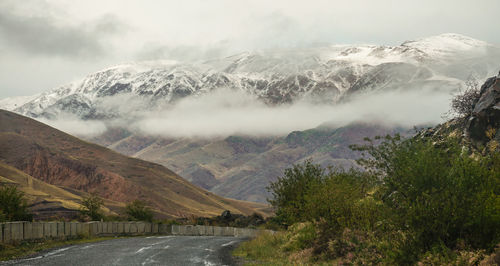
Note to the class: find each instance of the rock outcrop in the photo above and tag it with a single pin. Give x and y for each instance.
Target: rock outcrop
(479, 131)
(484, 123)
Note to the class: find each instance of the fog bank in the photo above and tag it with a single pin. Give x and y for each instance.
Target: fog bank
(228, 112)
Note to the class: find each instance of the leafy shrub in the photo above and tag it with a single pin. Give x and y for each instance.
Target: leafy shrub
(300, 236)
(13, 205)
(339, 199)
(290, 192)
(437, 193)
(417, 201)
(137, 210)
(91, 207)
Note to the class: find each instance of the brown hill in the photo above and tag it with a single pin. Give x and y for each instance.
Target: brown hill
(47, 200)
(60, 159)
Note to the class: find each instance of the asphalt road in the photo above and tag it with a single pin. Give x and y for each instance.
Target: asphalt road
(155, 250)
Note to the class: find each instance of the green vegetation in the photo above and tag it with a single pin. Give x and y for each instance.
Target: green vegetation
(91, 207)
(13, 205)
(264, 250)
(137, 210)
(418, 201)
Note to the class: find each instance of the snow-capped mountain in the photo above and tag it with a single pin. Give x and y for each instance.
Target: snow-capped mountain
(114, 100)
(276, 77)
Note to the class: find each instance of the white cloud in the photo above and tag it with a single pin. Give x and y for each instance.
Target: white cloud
(233, 113)
(76, 126)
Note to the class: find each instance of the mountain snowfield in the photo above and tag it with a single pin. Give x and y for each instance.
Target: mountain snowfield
(231, 125)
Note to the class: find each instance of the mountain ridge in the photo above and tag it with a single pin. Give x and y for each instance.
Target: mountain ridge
(284, 76)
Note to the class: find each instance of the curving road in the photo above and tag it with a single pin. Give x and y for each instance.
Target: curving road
(154, 250)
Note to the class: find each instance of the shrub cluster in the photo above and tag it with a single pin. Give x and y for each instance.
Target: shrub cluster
(13, 205)
(228, 219)
(92, 207)
(137, 210)
(416, 199)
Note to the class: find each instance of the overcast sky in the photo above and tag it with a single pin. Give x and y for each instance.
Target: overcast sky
(47, 43)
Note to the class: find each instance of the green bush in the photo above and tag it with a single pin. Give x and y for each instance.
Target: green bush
(417, 201)
(416, 197)
(300, 236)
(13, 205)
(339, 199)
(290, 192)
(91, 207)
(137, 210)
(437, 193)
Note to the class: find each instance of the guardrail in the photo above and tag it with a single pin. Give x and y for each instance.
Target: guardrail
(18, 231)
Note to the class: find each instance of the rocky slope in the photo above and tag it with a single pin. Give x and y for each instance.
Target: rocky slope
(59, 159)
(480, 129)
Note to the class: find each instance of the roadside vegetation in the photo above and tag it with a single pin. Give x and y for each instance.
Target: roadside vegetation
(92, 208)
(417, 202)
(13, 205)
(138, 210)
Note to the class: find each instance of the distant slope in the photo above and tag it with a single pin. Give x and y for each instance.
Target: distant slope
(60, 159)
(241, 167)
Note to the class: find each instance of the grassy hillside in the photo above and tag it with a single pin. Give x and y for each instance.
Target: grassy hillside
(48, 200)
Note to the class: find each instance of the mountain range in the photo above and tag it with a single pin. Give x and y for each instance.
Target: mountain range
(275, 77)
(239, 164)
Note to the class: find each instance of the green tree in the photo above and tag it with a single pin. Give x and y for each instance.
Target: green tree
(290, 192)
(91, 207)
(13, 205)
(137, 210)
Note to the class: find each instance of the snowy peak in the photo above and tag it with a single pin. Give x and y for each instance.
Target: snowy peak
(447, 44)
(275, 77)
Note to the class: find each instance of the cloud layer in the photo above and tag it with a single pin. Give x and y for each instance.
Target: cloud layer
(228, 112)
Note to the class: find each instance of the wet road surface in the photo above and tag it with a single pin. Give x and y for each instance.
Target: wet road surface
(154, 250)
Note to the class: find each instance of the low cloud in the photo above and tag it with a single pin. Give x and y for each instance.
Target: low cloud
(77, 127)
(229, 112)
